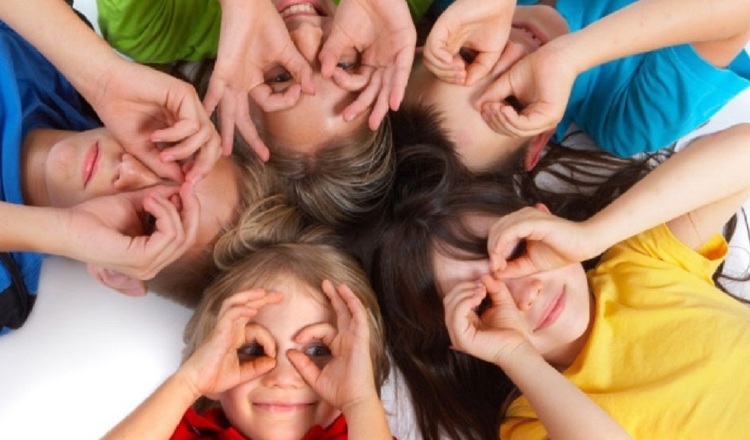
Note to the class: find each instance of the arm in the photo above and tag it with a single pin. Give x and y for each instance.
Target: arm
(140, 105)
(695, 191)
(213, 368)
(499, 336)
(347, 381)
(717, 29)
(108, 231)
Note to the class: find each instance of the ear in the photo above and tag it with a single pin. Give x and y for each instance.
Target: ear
(535, 148)
(118, 281)
(542, 207)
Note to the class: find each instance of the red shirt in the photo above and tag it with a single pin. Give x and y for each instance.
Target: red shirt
(213, 425)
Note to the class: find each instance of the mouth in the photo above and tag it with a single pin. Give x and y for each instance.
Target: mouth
(293, 8)
(551, 312)
(89, 163)
(532, 32)
(282, 407)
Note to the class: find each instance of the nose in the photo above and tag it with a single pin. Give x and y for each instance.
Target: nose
(308, 38)
(132, 175)
(284, 375)
(525, 292)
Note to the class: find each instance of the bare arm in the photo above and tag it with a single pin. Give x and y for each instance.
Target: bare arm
(695, 191)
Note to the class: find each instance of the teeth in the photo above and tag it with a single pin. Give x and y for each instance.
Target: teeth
(299, 8)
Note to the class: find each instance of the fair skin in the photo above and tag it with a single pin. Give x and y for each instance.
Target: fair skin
(144, 108)
(315, 119)
(275, 378)
(524, 99)
(507, 332)
(99, 190)
(382, 32)
(542, 82)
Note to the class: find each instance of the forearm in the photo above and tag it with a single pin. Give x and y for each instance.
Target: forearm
(651, 24)
(29, 228)
(710, 170)
(82, 56)
(158, 416)
(366, 420)
(564, 410)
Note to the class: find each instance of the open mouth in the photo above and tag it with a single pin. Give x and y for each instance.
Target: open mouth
(531, 32)
(305, 8)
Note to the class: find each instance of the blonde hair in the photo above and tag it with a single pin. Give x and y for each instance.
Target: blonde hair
(342, 182)
(185, 280)
(271, 240)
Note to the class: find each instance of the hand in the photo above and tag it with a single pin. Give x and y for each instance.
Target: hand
(112, 231)
(245, 53)
(497, 333)
(383, 32)
(348, 378)
(482, 26)
(541, 82)
(533, 240)
(143, 107)
(215, 366)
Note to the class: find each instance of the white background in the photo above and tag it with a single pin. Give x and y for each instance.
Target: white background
(88, 355)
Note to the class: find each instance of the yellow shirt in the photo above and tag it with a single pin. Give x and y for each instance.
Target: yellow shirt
(669, 353)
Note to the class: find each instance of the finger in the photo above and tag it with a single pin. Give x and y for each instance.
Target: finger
(300, 69)
(331, 51)
(227, 112)
(245, 297)
(454, 73)
(271, 101)
(208, 154)
(151, 157)
(379, 111)
(498, 292)
(256, 368)
(353, 82)
(214, 95)
(399, 78)
(305, 366)
(338, 305)
(366, 98)
(250, 134)
(480, 67)
(182, 129)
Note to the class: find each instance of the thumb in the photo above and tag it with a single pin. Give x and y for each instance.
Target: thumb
(480, 67)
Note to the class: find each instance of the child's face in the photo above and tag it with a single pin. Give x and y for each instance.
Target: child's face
(280, 405)
(316, 119)
(555, 304)
(480, 147)
(88, 164)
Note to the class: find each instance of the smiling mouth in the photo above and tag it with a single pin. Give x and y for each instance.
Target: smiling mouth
(301, 9)
(551, 312)
(281, 407)
(89, 163)
(531, 32)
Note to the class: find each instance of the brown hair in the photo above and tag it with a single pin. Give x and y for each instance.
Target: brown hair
(342, 182)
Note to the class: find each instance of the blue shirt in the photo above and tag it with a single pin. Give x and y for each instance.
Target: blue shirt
(647, 101)
(33, 94)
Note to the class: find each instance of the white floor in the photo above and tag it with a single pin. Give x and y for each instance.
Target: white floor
(88, 355)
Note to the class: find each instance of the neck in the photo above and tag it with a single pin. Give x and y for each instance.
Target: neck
(34, 151)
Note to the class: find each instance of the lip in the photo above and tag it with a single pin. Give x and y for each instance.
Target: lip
(282, 407)
(284, 5)
(551, 311)
(90, 161)
(536, 34)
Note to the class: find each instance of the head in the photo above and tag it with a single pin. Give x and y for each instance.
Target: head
(296, 269)
(479, 147)
(316, 119)
(65, 168)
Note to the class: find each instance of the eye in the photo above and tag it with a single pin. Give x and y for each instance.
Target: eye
(467, 54)
(519, 250)
(149, 223)
(347, 65)
(483, 306)
(277, 76)
(250, 352)
(317, 350)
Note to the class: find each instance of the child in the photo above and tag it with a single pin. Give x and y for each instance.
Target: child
(444, 217)
(287, 341)
(631, 93)
(581, 347)
(57, 163)
(333, 166)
